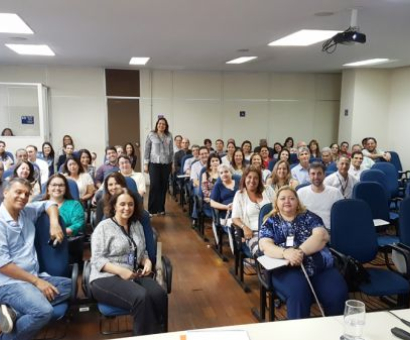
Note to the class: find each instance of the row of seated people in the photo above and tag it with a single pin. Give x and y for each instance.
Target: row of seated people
(219, 187)
(120, 257)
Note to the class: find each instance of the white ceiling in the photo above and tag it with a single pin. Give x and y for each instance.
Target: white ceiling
(204, 34)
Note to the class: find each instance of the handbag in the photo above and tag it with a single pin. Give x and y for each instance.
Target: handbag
(354, 273)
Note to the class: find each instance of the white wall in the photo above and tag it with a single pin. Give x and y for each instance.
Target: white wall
(77, 103)
(206, 105)
(399, 114)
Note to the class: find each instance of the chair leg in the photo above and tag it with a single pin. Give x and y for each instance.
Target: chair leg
(260, 314)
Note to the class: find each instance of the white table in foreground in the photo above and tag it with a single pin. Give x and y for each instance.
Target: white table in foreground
(378, 325)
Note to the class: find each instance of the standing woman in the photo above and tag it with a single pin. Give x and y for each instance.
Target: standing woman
(120, 266)
(159, 152)
(67, 139)
(130, 152)
(47, 153)
(247, 203)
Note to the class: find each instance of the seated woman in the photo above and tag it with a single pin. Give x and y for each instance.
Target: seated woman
(256, 160)
(130, 153)
(284, 155)
(265, 156)
(24, 169)
(314, 149)
(210, 176)
(47, 153)
(296, 234)
(113, 183)
(277, 147)
(238, 162)
(247, 150)
(70, 210)
(290, 145)
(230, 149)
(281, 176)
(124, 163)
(335, 151)
(85, 159)
(224, 190)
(247, 203)
(121, 268)
(74, 170)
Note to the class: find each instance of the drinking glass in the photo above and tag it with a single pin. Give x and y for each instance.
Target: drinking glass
(354, 320)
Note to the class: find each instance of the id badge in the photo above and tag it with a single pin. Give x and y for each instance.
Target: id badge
(130, 259)
(289, 241)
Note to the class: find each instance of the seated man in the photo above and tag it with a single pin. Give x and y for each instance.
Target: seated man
(5, 157)
(319, 198)
(341, 179)
(68, 152)
(367, 162)
(374, 153)
(327, 157)
(41, 164)
(26, 296)
(197, 166)
(110, 166)
(190, 161)
(300, 171)
(219, 147)
(356, 168)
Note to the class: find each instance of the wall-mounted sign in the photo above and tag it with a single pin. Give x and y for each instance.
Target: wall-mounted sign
(27, 120)
(242, 113)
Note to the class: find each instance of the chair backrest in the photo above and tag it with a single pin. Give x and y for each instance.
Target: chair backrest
(375, 175)
(75, 193)
(293, 159)
(203, 170)
(8, 173)
(404, 221)
(271, 164)
(395, 160)
(266, 209)
(10, 154)
(353, 232)
(375, 196)
(150, 241)
(315, 159)
(131, 184)
(332, 167)
(300, 186)
(54, 261)
(391, 176)
(183, 160)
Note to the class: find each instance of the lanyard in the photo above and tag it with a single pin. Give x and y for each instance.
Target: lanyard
(131, 242)
(343, 188)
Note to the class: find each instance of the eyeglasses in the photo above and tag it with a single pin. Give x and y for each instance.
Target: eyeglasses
(54, 185)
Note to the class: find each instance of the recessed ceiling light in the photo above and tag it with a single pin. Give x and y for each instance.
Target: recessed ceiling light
(12, 23)
(241, 60)
(139, 60)
(27, 49)
(368, 62)
(304, 38)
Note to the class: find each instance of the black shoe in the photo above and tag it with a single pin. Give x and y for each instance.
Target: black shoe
(7, 318)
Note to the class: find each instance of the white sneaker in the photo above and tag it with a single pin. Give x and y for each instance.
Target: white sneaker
(7, 318)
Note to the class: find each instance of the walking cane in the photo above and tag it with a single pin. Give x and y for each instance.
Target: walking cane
(312, 289)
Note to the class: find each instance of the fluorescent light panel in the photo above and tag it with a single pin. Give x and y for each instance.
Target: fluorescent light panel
(139, 60)
(27, 49)
(12, 23)
(368, 62)
(241, 60)
(304, 38)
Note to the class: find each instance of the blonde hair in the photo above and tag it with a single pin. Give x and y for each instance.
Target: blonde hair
(275, 211)
(274, 176)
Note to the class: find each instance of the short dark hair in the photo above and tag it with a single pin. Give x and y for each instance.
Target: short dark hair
(108, 148)
(357, 153)
(246, 142)
(207, 140)
(125, 157)
(203, 148)
(136, 215)
(317, 165)
(372, 138)
(177, 136)
(220, 140)
(32, 146)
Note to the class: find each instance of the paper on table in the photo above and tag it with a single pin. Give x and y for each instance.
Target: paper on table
(379, 222)
(217, 335)
(270, 263)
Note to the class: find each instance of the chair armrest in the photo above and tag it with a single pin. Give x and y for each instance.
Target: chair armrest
(404, 252)
(238, 235)
(264, 276)
(74, 278)
(167, 268)
(340, 260)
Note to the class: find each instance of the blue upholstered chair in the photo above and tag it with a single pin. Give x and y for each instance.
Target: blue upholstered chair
(353, 234)
(55, 261)
(374, 195)
(108, 311)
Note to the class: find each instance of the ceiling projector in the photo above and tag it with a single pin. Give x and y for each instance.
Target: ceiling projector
(349, 36)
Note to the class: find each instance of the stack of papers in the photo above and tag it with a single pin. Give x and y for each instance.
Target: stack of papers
(217, 335)
(270, 263)
(379, 222)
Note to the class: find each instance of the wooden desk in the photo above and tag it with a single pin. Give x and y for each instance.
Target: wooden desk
(378, 325)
